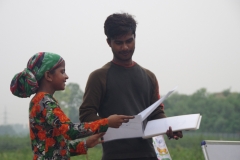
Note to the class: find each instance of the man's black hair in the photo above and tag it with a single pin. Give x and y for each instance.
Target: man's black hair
(119, 24)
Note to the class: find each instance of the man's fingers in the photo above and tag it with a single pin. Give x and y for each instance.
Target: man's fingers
(180, 134)
(175, 135)
(170, 132)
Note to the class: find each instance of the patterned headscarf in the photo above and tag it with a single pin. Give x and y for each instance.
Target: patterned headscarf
(25, 83)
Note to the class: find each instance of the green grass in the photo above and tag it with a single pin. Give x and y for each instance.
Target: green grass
(187, 148)
(93, 154)
(18, 148)
(19, 154)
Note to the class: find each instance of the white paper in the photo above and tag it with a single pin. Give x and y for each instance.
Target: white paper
(145, 113)
(132, 129)
(178, 123)
(199, 122)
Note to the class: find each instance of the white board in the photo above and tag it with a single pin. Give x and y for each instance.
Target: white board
(221, 150)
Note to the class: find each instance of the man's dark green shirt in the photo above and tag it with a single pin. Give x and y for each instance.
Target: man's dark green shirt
(114, 89)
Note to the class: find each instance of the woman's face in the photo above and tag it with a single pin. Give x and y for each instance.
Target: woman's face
(59, 77)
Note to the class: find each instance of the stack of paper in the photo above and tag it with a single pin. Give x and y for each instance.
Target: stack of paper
(178, 123)
(134, 128)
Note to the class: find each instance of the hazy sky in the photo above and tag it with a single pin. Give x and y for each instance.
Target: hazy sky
(192, 44)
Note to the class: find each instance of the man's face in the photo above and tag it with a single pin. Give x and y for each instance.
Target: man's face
(123, 47)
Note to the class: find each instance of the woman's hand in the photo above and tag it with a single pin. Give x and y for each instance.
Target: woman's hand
(94, 140)
(115, 121)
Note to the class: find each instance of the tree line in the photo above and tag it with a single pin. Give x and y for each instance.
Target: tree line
(220, 111)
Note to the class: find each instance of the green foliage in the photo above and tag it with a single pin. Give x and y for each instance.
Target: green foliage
(220, 114)
(12, 148)
(14, 129)
(94, 153)
(6, 130)
(13, 143)
(187, 148)
(70, 100)
(220, 111)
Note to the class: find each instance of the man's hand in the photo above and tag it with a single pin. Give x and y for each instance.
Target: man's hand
(115, 121)
(175, 135)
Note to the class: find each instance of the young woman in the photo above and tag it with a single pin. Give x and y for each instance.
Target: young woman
(50, 128)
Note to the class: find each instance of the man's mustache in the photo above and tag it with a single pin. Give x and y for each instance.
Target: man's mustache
(125, 52)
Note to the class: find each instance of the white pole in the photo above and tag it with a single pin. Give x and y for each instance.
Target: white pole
(203, 145)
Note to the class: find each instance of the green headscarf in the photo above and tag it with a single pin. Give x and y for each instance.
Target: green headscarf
(25, 83)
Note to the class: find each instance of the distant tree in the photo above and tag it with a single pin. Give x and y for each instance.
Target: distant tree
(6, 130)
(70, 100)
(226, 92)
(20, 129)
(220, 111)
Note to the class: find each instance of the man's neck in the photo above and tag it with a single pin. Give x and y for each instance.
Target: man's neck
(124, 64)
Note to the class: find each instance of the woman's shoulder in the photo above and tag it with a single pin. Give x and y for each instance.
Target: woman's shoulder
(42, 97)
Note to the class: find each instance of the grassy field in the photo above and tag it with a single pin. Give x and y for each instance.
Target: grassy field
(188, 148)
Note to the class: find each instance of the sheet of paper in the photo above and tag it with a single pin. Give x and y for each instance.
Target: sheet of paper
(145, 113)
(199, 122)
(178, 123)
(161, 148)
(132, 129)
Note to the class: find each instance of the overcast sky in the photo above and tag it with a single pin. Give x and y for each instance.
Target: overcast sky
(192, 44)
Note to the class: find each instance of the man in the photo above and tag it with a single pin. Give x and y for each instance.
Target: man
(122, 87)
